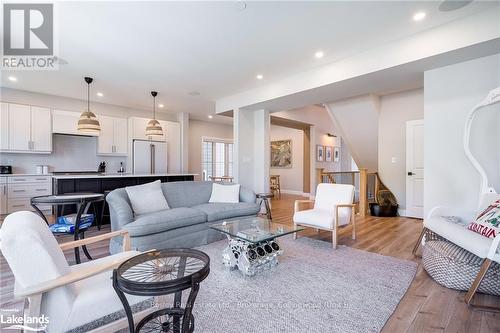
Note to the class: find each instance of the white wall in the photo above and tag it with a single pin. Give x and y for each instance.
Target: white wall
(395, 110)
(291, 179)
(356, 120)
(69, 153)
(449, 94)
(197, 130)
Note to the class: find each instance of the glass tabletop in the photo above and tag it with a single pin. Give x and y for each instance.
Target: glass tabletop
(255, 229)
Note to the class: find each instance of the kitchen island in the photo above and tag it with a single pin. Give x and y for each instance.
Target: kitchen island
(106, 182)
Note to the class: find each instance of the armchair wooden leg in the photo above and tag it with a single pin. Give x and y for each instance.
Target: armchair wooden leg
(419, 241)
(475, 285)
(334, 238)
(295, 233)
(353, 218)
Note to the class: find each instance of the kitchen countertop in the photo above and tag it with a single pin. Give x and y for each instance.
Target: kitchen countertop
(124, 175)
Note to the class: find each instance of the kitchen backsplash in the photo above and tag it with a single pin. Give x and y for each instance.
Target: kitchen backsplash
(70, 153)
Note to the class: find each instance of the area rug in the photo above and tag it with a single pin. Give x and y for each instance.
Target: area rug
(313, 289)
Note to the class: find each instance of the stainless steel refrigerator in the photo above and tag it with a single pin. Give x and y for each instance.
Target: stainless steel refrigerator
(149, 157)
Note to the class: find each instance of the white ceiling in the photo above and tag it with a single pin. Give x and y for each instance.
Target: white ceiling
(214, 48)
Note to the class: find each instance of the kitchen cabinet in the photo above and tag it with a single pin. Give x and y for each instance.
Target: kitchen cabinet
(19, 127)
(4, 126)
(20, 189)
(138, 129)
(113, 137)
(25, 129)
(3, 195)
(41, 129)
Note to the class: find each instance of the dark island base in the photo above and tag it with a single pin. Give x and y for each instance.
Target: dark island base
(104, 186)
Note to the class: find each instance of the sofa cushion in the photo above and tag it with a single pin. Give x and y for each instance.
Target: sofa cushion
(225, 193)
(220, 211)
(147, 198)
(165, 220)
(186, 194)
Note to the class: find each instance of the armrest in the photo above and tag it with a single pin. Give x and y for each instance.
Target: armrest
(465, 216)
(493, 248)
(299, 204)
(68, 279)
(95, 239)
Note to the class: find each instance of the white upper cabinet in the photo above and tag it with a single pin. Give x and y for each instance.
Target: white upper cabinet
(138, 129)
(4, 126)
(41, 129)
(19, 127)
(25, 129)
(113, 136)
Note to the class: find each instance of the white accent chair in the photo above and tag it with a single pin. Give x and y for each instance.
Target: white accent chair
(333, 208)
(71, 297)
(438, 220)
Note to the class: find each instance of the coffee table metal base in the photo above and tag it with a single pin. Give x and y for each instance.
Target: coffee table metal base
(251, 258)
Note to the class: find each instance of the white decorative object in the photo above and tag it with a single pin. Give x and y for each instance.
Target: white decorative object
(333, 208)
(225, 193)
(147, 198)
(70, 296)
(484, 248)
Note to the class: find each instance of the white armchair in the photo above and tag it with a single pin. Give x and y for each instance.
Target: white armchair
(333, 208)
(72, 297)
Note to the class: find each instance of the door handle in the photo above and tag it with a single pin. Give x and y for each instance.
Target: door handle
(410, 173)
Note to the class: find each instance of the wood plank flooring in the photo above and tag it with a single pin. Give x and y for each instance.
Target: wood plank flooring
(426, 307)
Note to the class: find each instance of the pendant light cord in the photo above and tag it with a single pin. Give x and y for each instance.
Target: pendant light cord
(154, 108)
(88, 100)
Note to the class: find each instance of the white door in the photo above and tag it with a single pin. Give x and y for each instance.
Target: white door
(4, 126)
(105, 138)
(120, 135)
(415, 168)
(41, 129)
(20, 127)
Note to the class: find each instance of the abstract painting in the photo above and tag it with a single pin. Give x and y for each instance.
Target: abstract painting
(281, 154)
(328, 153)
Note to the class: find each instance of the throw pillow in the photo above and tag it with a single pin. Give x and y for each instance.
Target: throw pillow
(488, 222)
(147, 198)
(225, 193)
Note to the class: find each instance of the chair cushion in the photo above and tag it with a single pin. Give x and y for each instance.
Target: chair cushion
(220, 211)
(315, 217)
(165, 220)
(459, 235)
(321, 217)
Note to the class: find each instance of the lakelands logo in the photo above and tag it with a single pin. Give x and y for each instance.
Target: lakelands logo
(33, 324)
(28, 36)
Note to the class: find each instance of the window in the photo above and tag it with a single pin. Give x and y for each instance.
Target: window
(217, 158)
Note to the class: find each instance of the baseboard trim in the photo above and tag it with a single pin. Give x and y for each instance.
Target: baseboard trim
(402, 212)
(295, 193)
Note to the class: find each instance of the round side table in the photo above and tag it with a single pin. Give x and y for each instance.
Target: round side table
(265, 197)
(162, 272)
(81, 200)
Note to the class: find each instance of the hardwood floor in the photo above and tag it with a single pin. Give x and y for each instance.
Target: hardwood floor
(426, 307)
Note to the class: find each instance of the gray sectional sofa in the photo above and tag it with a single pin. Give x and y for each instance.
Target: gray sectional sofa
(185, 224)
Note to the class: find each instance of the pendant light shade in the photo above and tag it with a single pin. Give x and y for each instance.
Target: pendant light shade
(88, 122)
(153, 127)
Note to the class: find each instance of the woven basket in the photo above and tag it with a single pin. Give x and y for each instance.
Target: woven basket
(456, 268)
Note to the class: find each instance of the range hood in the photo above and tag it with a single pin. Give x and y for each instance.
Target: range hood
(66, 122)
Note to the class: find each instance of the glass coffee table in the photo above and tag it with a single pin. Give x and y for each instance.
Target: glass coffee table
(253, 244)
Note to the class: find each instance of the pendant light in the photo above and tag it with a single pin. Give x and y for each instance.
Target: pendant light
(153, 128)
(88, 122)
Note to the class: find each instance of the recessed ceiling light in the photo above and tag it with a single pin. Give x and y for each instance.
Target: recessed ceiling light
(100, 94)
(419, 16)
(210, 116)
(259, 76)
(13, 78)
(160, 105)
(319, 54)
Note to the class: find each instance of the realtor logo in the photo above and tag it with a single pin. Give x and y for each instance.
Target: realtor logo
(28, 36)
